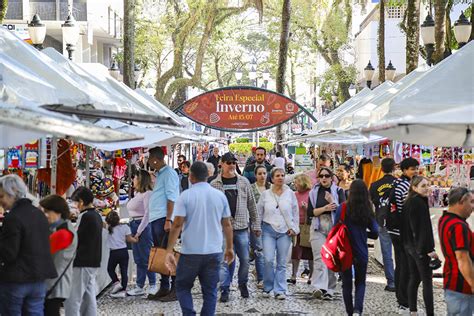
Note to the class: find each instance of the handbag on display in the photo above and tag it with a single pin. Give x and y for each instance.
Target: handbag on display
(157, 258)
(305, 230)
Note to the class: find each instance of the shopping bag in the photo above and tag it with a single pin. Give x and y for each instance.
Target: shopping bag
(304, 235)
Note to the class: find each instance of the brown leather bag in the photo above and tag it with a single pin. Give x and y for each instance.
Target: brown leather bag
(157, 258)
(156, 261)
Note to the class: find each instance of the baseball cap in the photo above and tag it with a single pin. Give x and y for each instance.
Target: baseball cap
(228, 157)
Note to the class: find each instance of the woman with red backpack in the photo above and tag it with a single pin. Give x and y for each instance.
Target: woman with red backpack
(360, 220)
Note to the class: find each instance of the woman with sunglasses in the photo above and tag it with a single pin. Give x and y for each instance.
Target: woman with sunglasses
(323, 201)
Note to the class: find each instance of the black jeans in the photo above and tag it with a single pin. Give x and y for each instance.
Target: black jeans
(401, 271)
(419, 271)
(118, 257)
(52, 306)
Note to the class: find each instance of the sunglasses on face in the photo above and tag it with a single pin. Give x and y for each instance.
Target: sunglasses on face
(327, 176)
(230, 163)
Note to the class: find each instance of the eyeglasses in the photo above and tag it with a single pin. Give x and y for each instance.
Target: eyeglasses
(325, 176)
(230, 163)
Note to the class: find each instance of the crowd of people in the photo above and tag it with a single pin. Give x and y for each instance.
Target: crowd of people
(225, 218)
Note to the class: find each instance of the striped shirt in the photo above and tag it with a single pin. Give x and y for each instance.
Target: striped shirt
(400, 192)
(454, 234)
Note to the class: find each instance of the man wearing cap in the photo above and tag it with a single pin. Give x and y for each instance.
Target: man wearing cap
(243, 208)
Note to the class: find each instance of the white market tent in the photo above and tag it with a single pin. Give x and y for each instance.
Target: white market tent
(19, 58)
(20, 125)
(438, 109)
(339, 120)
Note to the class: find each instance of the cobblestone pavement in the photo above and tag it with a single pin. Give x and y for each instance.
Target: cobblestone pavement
(299, 301)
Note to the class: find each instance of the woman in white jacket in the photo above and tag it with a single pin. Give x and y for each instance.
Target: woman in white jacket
(278, 209)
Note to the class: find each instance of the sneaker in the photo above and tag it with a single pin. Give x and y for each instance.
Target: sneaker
(328, 297)
(309, 282)
(224, 296)
(116, 287)
(171, 297)
(266, 294)
(280, 297)
(260, 285)
(402, 310)
(318, 294)
(244, 291)
(291, 281)
(305, 273)
(355, 314)
(120, 294)
(390, 289)
(137, 291)
(161, 293)
(153, 289)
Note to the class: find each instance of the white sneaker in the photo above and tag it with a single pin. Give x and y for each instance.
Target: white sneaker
(266, 294)
(402, 310)
(280, 297)
(260, 285)
(120, 294)
(153, 289)
(137, 291)
(116, 287)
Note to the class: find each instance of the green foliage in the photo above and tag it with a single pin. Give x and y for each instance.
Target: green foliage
(242, 140)
(246, 148)
(328, 82)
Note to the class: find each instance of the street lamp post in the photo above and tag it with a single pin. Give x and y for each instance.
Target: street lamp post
(369, 74)
(37, 32)
(114, 70)
(266, 78)
(253, 76)
(462, 30)
(136, 72)
(70, 34)
(427, 32)
(238, 76)
(390, 71)
(352, 90)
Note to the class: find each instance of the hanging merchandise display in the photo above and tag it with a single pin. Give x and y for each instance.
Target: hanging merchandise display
(31, 155)
(2, 159)
(14, 158)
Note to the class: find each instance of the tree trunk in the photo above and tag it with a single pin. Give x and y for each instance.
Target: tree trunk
(472, 22)
(129, 43)
(440, 29)
(381, 41)
(3, 9)
(412, 34)
(282, 61)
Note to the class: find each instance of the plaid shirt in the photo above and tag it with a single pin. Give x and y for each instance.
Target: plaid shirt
(246, 206)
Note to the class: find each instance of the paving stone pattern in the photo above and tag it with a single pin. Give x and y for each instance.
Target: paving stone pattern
(299, 301)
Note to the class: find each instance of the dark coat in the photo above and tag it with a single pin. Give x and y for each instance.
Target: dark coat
(24, 245)
(417, 230)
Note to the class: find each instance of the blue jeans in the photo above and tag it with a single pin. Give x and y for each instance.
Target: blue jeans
(241, 248)
(386, 247)
(459, 304)
(206, 268)
(275, 279)
(160, 239)
(360, 269)
(257, 244)
(141, 252)
(22, 298)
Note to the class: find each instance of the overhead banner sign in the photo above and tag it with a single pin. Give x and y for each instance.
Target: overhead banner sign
(239, 109)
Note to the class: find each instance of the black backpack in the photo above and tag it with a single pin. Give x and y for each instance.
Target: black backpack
(393, 217)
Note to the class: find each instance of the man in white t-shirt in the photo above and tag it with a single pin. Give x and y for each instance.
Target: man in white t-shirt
(203, 215)
(279, 161)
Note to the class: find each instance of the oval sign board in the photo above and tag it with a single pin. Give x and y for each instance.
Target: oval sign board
(240, 109)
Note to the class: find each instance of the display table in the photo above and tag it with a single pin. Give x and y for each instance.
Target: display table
(436, 213)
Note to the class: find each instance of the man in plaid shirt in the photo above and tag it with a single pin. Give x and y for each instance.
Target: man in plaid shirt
(242, 204)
